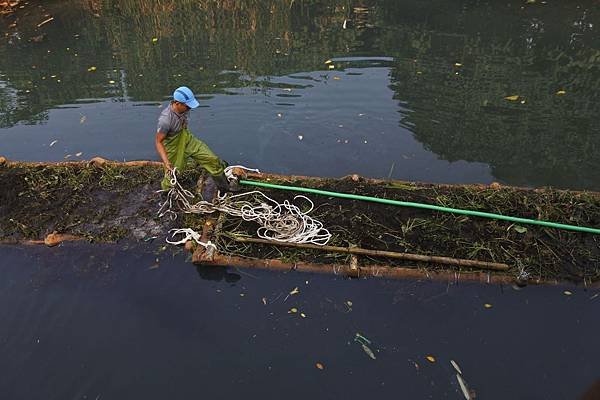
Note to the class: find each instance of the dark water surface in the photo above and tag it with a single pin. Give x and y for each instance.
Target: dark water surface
(79, 323)
(417, 91)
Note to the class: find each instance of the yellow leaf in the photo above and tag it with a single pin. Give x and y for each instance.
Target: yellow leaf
(293, 310)
(560, 92)
(457, 64)
(567, 293)
(487, 305)
(430, 359)
(512, 98)
(328, 62)
(91, 69)
(331, 66)
(111, 81)
(154, 40)
(303, 315)
(319, 365)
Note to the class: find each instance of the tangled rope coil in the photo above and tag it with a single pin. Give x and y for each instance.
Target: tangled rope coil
(282, 222)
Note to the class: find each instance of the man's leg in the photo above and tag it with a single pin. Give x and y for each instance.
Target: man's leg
(203, 155)
(175, 148)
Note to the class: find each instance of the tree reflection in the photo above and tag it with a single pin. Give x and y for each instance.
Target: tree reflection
(455, 62)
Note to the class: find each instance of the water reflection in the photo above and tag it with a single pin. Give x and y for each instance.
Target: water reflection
(451, 68)
(217, 274)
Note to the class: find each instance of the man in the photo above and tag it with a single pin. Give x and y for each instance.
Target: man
(178, 148)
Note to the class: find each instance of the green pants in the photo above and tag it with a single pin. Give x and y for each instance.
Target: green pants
(185, 150)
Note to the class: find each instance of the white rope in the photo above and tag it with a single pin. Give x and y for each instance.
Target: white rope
(281, 222)
(190, 234)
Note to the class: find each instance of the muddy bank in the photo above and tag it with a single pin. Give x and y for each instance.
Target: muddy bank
(112, 201)
(104, 203)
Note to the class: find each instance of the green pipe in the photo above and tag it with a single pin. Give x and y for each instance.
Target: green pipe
(425, 206)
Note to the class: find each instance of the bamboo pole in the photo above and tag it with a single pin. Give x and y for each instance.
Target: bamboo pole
(459, 262)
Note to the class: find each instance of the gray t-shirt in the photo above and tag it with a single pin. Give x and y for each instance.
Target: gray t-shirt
(170, 123)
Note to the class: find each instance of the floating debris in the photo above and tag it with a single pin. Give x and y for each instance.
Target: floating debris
(463, 387)
(456, 367)
(368, 351)
(512, 98)
(319, 365)
(431, 359)
(44, 22)
(567, 293)
(91, 69)
(293, 310)
(560, 93)
(487, 305)
(53, 143)
(295, 291)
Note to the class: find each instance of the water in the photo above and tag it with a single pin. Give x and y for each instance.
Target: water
(78, 323)
(417, 91)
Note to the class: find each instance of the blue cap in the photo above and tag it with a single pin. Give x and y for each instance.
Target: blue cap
(183, 94)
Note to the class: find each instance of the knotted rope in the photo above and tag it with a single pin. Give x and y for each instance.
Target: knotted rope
(282, 222)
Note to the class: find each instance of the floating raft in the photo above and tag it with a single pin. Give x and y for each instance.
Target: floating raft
(105, 201)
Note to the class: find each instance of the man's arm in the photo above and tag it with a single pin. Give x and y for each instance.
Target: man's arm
(160, 148)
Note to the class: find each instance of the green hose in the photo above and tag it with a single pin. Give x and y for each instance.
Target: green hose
(425, 206)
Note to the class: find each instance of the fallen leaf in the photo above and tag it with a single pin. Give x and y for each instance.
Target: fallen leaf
(78, 154)
(368, 351)
(512, 98)
(264, 300)
(295, 291)
(560, 92)
(300, 137)
(293, 310)
(67, 156)
(567, 293)
(328, 62)
(336, 78)
(303, 315)
(91, 69)
(154, 40)
(349, 303)
(520, 229)
(463, 387)
(457, 64)
(456, 367)
(111, 81)
(431, 359)
(319, 365)
(53, 143)
(487, 305)
(331, 66)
